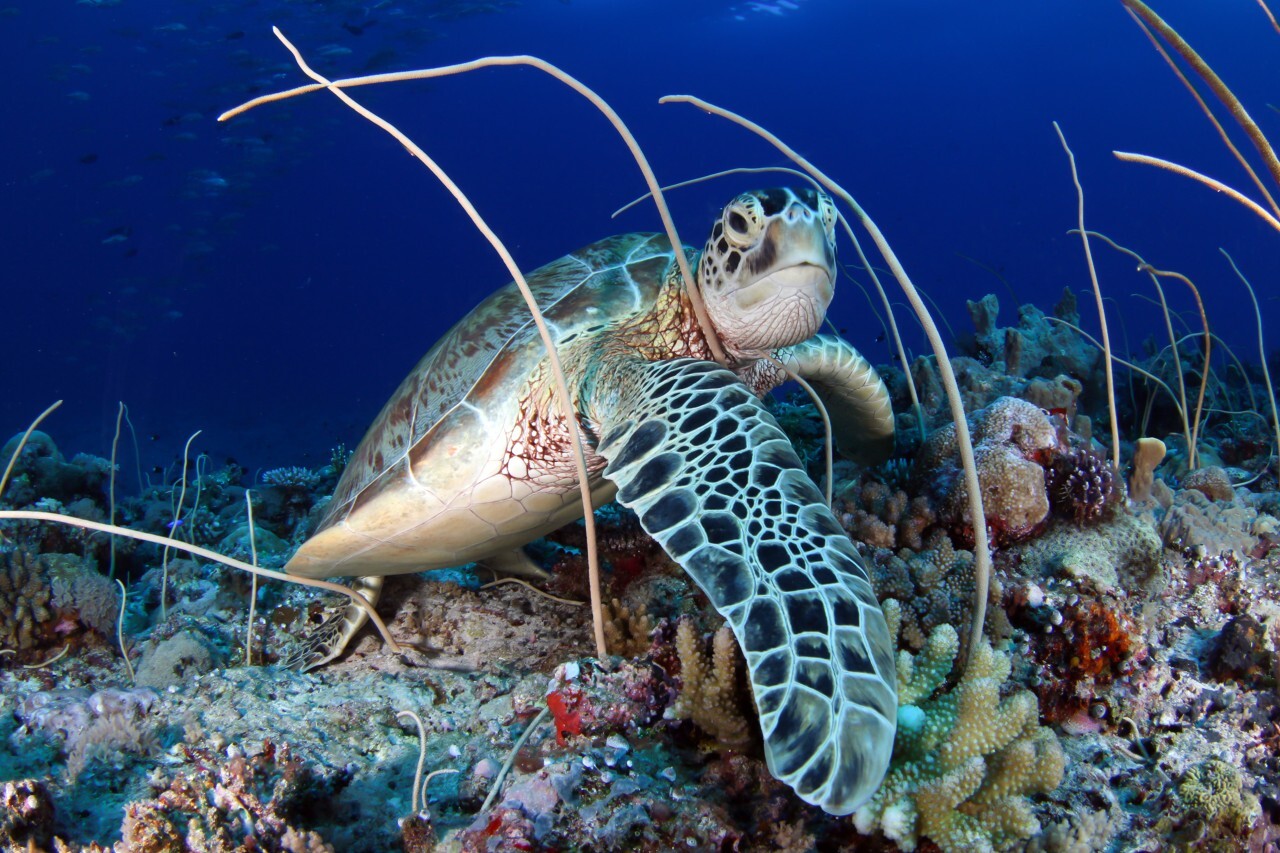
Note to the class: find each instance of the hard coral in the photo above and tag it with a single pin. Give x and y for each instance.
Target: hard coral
(1123, 552)
(935, 586)
(26, 815)
(24, 600)
(1211, 481)
(965, 760)
(1213, 790)
(710, 694)
(233, 802)
(1013, 443)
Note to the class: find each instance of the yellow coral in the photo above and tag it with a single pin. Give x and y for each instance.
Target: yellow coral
(965, 760)
(709, 694)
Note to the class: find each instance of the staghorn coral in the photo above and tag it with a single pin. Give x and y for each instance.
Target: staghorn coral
(709, 693)
(965, 759)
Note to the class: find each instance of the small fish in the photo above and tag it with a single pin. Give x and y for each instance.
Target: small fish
(170, 28)
(238, 34)
(88, 158)
(114, 238)
(334, 50)
(78, 95)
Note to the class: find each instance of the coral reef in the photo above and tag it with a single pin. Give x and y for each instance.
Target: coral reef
(234, 801)
(1034, 347)
(1014, 442)
(1133, 651)
(710, 694)
(966, 759)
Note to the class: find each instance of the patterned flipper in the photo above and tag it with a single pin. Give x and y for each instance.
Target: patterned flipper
(716, 482)
(851, 389)
(330, 638)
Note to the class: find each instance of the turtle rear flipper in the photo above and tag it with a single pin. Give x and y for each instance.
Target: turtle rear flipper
(330, 639)
(716, 482)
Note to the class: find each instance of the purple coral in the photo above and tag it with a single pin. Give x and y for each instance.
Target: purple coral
(1081, 485)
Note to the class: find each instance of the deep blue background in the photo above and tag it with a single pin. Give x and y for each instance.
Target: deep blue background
(276, 312)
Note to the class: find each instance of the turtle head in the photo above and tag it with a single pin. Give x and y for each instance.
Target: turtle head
(767, 273)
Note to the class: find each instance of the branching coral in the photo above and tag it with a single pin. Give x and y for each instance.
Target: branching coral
(233, 802)
(709, 695)
(935, 586)
(965, 759)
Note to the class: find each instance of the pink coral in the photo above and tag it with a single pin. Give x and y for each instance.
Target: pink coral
(1013, 442)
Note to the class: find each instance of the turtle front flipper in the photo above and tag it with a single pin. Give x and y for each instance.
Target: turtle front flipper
(330, 639)
(851, 389)
(716, 482)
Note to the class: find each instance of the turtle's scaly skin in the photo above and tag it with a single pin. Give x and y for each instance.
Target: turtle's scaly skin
(470, 459)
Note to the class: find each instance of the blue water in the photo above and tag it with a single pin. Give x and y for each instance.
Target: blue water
(270, 280)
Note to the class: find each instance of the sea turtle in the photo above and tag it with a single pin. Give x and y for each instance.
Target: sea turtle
(470, 460)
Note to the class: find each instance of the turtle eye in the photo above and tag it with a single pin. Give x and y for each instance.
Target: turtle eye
(742, 220)
(827, 210)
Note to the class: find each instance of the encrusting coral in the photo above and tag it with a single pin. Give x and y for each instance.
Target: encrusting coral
(965, 760)
(1213, 790)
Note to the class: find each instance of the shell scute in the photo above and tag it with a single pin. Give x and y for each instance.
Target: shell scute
(485, 360)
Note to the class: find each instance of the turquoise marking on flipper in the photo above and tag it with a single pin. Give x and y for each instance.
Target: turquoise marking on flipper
(716, 482)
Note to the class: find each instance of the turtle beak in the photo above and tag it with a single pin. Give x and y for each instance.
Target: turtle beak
(788, 304)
